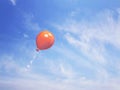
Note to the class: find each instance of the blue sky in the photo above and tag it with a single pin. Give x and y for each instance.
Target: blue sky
(86, 52)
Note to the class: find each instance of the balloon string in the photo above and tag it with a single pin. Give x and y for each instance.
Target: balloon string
(28, 66)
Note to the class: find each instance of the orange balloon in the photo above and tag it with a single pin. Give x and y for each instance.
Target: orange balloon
(44, 40)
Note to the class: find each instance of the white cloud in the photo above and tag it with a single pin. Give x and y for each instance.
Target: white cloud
(13, 2)
(30, 24)
(8, 65)
(46, 84)
(91, 39)
(25, 35)
(91, 50)
(92, 36)
(75, 13)
(63, 74)
(39, 81)
(60, 69)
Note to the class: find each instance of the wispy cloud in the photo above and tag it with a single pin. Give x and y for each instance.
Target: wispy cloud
(29, 22)
(91, 37)
(94, 39)
(87, 48)
(66, 68)
(67, 77)
(13, 2)
(25, 35)
(61, 70)
(46, 84)
(8, 65)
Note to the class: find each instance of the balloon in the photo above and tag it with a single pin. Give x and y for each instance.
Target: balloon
(44, 40)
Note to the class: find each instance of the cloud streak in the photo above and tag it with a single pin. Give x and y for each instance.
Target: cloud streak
(46, 84)
(30, 24)
(67, 69)
(13, 2)
(91, 37)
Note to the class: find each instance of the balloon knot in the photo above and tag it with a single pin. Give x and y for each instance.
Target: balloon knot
(37, 49)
